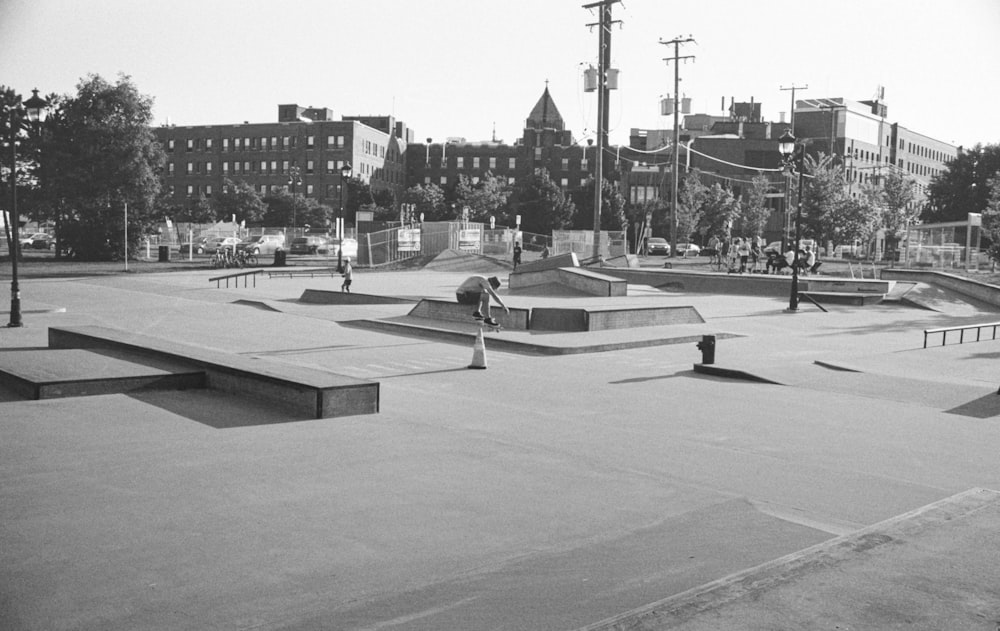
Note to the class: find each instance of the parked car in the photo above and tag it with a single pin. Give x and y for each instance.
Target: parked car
(219, 243)
(657, 245)
(197, 246)
(42, 241)
(688, 249)
(308, 245)
(28, 240)
(263, 244)
(350, 248)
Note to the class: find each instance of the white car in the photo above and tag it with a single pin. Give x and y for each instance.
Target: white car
(264, 244)
(688, 249)
(350, 248)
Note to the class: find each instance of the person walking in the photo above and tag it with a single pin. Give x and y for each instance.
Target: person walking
(517, 254)
(348, 276)
(743, 252)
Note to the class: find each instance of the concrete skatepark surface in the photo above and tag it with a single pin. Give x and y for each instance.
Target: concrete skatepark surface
(546, 492)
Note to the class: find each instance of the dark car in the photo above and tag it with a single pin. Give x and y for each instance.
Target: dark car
(43, 241)
(657, 245)
(197, 246)
(308, 245)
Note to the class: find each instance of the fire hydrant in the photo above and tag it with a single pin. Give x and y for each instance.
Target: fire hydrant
(707, 348)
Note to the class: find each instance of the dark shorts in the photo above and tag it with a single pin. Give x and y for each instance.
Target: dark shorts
(468, 297)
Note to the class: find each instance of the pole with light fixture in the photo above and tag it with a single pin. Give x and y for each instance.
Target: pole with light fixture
(345, 174)
(294, 178)
(28, 116)
(793, 154)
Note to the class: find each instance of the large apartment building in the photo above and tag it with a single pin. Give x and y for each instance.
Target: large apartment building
(265, 155)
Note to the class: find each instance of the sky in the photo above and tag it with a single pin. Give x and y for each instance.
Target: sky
(473, 69)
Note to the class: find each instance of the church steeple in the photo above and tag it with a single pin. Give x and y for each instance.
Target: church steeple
(545, 114)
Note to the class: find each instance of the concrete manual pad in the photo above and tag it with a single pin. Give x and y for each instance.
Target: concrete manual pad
(53, 373)
(932, 568)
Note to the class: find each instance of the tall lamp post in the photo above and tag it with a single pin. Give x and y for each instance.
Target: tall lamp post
(793, 154)
(27, 115)
(345, 174)
(294, 177)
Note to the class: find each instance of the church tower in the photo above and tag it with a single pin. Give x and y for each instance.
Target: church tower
(544, 126)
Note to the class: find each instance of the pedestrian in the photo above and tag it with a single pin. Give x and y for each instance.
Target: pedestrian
(517, 254)
(477, 290)
(743, 251)
(348, 276)
(755, 257)
(810, 260)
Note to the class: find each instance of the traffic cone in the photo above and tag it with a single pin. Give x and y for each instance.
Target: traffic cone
(479, 352)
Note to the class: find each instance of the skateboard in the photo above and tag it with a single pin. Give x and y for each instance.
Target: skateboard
(483, 324)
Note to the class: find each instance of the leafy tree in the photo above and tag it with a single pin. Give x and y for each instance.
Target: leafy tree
(719, 210)
(197, 210)
(612, 207)
(384, 205)
(822, 194)
(100, 154)
(991, 218)
(239, 199)
(488, 198)
(852, 220)
(964, 185)
(543, 206)
(284, 209)
(690, 212)
(898, 210)
(429, 200)
(755, 212)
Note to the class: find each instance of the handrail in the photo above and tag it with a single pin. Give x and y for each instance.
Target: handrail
(961, 329)
(236, 277)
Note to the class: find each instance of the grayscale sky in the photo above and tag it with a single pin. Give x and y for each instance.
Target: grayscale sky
(460, 67)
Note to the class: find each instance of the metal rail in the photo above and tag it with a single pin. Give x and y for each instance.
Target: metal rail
(961, 329)
(236, 278)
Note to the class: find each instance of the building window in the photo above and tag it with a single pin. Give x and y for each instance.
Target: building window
(170, 145)
(274, 143)
(340, 141)
(237, 144)
(274, 166)
(331, 166)
(190, 190)
(444, 180)
(309, 189)
(310, 142)
(564, 182)
(331, 141)
(565, 164)
(246, 167)
(225, 168)
(309, 166)
(475, 179)
(460, 162)
(284, 166)
(208, 190)
(208, 168)
(427, 179)
(583, 182)
(190, 168)
(510, 180)
(511, 162)
(263, 189)
(190, 144)
(170, 168)
(475, 162)
(208, 144)
(263, 166)
(538, 153)
(225, 144)
(493, 163)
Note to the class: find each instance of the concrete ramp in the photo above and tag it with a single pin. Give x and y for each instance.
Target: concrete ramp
(932, 568)
(580, 279)
(331, 297)
(609, 318)
(457, 261)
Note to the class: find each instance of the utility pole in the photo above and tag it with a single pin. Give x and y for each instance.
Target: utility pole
(676, 166)
(791, 112)
(603, 61)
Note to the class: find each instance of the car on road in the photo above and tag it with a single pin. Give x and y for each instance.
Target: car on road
(309, 244)
(688, 249)
(197, 246)
(262, 244)
(28, 240)
(657, 245)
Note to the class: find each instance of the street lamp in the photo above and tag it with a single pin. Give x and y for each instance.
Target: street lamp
(345, 174)
(293, 179)
(34, 110)
(794, 154)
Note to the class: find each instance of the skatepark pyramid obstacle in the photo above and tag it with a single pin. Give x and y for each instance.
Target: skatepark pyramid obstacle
(479, 352)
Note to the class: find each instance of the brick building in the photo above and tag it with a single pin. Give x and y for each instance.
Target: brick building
(200, 158)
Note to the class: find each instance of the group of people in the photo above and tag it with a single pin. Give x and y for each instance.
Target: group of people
(741, 255)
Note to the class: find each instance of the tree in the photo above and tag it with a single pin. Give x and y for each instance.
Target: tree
(100, 154)
(488, 198)
(690, 200)
(543, 206)
(964, 185)
(719, 211)
(853, 220)
(241, 200)
(755, 212)
(991, 218)
(429, 200)
(822, 194)
(612, 207)
(898, 210)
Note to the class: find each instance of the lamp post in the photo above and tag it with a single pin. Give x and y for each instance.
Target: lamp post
(794, 154)
(294, 178)
(34, 110)
(345, 174)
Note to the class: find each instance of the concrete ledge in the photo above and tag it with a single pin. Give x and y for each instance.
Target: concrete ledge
(553, 262)
(607, 318)
(319, 394)
(840, 285)
(857, 299)
(455, 312)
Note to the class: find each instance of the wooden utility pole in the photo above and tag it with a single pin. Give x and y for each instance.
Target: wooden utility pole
(603, 61)
(791, 112)
(677, 145)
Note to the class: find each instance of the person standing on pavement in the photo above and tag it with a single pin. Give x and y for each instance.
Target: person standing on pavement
(517, 254)
(348, 276)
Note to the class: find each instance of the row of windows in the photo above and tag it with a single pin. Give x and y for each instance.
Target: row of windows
(265, 143)
(206, 190)
(477, 162)
(443, 181)
(263, 167)
(925, 152)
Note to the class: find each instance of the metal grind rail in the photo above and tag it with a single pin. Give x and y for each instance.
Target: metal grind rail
(961, 332)
(236, 278)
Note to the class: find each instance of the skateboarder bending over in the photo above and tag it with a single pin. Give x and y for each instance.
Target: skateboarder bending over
(477, 290)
